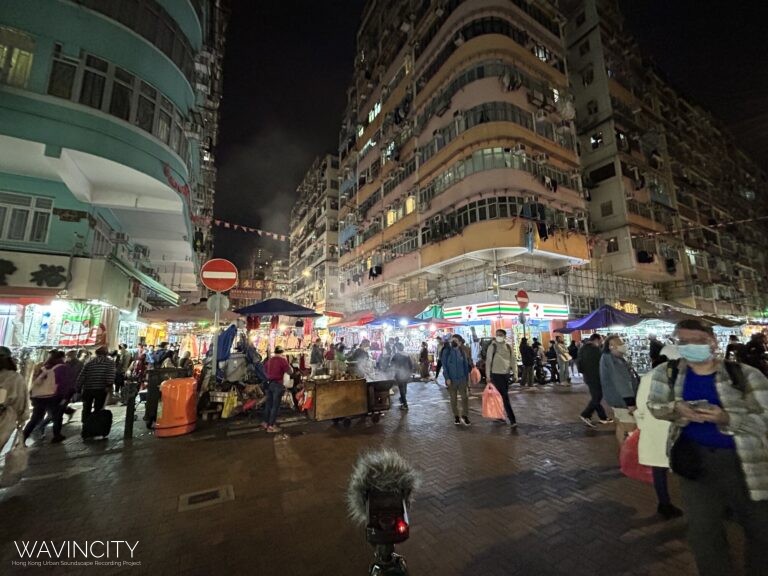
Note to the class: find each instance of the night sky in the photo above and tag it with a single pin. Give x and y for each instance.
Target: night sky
(288, 64)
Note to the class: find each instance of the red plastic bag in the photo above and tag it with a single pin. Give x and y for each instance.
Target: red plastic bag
(474, 376)
(629, 460)
(493, 406)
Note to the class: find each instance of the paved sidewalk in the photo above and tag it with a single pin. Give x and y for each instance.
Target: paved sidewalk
(546, 499)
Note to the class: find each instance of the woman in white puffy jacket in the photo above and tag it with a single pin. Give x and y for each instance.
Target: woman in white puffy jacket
(14, 404)
(652, 448)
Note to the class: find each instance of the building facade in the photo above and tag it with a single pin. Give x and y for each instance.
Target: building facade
(665, 181)
(108, 118)
(314, 238)
(459, 170)
(494, 145)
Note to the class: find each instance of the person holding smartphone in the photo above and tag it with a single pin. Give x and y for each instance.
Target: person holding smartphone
(718, 446)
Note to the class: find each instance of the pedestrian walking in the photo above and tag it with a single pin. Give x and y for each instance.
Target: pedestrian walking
(652, 449)
(499, 365)
(402, 367)
(563, 360)
(551, 355)
(588, 361)
(619, 384)
(735, 348)
(719, 417)
(456, 371)
(424, 361)
(50, 392)
(654, 350)
(14, 406)
(528, 358)
(316, 357)
(95, 382)
(276, 367)
(573, 351)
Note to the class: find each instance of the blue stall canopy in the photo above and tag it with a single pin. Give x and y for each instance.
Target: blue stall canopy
(604, 317)
(278, 307)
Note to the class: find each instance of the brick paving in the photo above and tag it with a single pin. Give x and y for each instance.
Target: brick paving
(546, 499)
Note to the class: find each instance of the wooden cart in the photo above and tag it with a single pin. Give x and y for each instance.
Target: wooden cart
(342, 400)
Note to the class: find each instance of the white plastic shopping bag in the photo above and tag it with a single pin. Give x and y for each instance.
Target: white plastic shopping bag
(16, 462)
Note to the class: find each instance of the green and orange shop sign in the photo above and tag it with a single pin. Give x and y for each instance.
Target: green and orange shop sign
(491, 310)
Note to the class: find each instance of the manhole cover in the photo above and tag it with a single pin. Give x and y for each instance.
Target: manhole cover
(206, 498)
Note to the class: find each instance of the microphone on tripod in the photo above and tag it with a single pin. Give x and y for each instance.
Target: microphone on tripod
(378, 497)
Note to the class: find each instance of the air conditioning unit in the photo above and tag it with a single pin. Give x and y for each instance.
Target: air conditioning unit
(536, 97)
(140, 251)
(541, 115)
(118, 237)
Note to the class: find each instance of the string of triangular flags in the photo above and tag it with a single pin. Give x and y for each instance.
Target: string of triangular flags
(240, 227)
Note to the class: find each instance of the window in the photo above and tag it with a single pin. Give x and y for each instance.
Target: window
(588, 76)
(122, 94)
(62, 80)
(613, 245)
(603, 173)
(24, 218)
(94, 81)
(606, 209)
(622, 141)
(596, 140)
(374, 112)
(584, 48)
(592, 107)
(16, 50)
(102, 85)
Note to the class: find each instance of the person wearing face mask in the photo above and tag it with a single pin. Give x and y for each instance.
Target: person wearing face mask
(456, 372)
(619, 384)
(717, 445)
(500, 361)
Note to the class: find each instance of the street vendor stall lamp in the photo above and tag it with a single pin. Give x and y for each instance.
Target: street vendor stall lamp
(403, 322)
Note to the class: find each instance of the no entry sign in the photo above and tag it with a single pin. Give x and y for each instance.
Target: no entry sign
(219, 275)
(522, 299)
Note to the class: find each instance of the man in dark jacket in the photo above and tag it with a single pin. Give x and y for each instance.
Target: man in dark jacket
(654, 350)
(402, 367)
(528, 357)
(588, 363)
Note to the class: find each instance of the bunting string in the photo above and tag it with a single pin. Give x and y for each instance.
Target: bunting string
(201, 220)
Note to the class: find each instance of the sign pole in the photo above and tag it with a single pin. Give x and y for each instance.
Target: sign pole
(218, 275)
(215, 352)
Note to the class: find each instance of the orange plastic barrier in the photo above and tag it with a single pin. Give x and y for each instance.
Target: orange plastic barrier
(179, 409)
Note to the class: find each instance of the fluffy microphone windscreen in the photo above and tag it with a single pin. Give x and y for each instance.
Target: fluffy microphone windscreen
(381, 470)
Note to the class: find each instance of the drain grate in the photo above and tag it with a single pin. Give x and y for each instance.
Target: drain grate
(206, 498)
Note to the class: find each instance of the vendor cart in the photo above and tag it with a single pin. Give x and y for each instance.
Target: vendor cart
(341, 400)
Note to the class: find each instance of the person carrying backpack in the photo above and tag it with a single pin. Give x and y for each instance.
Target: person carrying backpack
(500, 367)
(717, 445)
(50, 392)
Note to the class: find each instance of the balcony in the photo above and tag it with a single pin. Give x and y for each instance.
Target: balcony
(510, 237)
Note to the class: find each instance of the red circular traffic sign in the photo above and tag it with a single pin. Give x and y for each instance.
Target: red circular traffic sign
(219, 275)
(522, 299)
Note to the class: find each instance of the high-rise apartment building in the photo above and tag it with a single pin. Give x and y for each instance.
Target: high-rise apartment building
(314, 243)
(108, 118)
(493, 145)
(665, 181)
(459, 169)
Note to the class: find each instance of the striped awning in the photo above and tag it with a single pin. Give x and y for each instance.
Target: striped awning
(162, 291)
